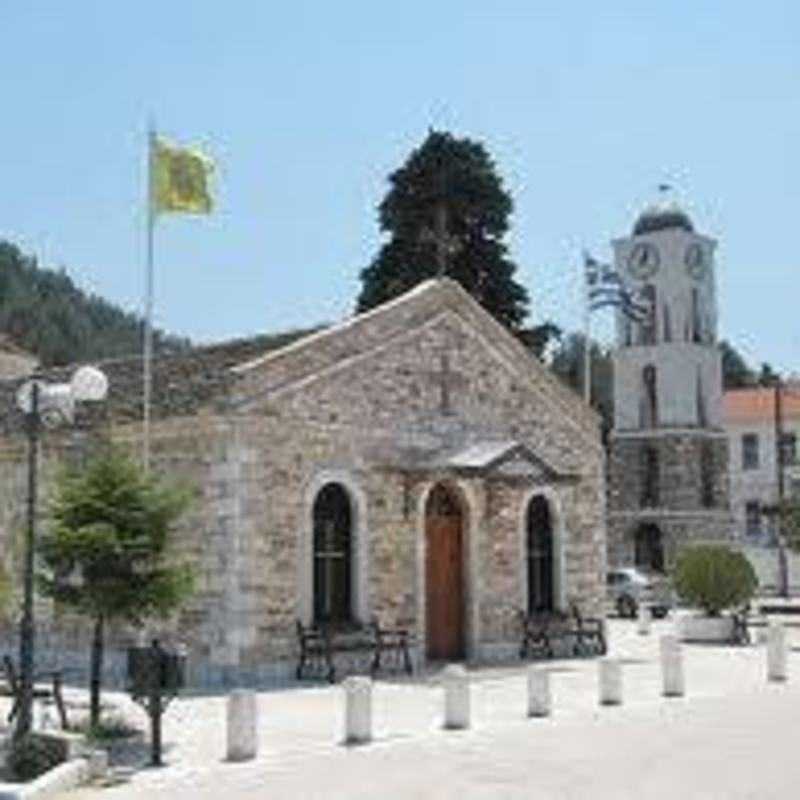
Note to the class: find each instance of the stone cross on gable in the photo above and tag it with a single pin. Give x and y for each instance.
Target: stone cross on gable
(447, 381)
(446, 244)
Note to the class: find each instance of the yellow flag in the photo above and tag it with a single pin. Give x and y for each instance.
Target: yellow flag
(181, 179)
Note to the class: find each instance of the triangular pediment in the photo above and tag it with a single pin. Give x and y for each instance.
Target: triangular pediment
(360, 343)
(507, 459)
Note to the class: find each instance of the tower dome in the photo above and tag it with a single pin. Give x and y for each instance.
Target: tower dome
(662, 216)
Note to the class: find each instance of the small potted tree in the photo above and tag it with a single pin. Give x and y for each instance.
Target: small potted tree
(714, 578)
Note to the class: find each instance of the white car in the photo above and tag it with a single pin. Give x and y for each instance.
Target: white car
(628, 587)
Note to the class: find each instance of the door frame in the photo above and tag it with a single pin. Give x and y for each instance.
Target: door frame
(465, 494)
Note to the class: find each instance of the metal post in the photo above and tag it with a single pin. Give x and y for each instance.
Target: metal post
(148, 313)
(155, 706)
(783, 566)
(27, 626)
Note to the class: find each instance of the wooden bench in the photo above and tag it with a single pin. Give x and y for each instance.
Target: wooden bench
(320, 644)
(14, 689)
(542, 631)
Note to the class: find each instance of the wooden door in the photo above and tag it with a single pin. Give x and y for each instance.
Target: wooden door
(444, 577)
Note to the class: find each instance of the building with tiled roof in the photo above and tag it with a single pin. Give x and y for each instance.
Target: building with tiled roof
(751, 418)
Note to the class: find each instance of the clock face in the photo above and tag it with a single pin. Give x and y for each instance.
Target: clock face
(695, 260)
(643, 260)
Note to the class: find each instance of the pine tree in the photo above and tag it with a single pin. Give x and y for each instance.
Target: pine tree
(110, 526)
(447, 205)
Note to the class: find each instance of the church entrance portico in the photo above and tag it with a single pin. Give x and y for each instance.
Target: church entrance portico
(444, 575)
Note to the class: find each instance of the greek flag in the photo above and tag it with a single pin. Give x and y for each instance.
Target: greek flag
(606, 288)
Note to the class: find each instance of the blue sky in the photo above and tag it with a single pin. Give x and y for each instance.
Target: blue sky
(307, 107)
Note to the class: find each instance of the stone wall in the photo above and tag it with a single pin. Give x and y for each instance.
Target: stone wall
(680, 514)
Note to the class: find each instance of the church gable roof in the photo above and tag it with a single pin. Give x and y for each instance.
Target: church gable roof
(308, 360)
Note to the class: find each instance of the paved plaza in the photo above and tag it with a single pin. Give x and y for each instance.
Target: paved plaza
(733, 736)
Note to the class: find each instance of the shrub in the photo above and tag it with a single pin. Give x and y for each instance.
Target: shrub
(34, 755)
(714, 577)
(114, 727)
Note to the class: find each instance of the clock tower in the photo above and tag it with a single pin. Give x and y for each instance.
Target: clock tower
(668, 456)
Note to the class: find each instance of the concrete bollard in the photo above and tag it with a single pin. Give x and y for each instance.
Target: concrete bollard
(644, 616)
(672, 666)
(539, 695)
(776, 652)
(98, 764)
(456, 698)
(358, 710)
(610, 679)
(242, 725)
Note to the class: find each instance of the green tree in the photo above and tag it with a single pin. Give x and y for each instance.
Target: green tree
(46, 314)
(714, 577)
(110, 528)
(736, 374)
(447, 186)
(567, 362)
(539, 337)
(767, 375)
(6, 593)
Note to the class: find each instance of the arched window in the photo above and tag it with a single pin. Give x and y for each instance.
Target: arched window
(697, 317)
(667, 323)
(708, 475)
(332, 555)
(702, 418)
(648, 409)
(650, 496)
(647, 328)
(540, 557)
(649, 549)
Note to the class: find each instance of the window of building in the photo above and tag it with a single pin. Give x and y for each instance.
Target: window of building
(789, 449)
(649, 548)
(697, 317)
(650, 478)
(647, 328)
(332, 555)
(750, 451)
(752, 518)
(648, 416)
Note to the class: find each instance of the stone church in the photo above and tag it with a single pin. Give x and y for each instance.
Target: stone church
(414, 464)
(668, 478)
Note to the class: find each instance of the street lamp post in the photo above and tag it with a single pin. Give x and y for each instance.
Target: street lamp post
(783, 564)
(47, 404)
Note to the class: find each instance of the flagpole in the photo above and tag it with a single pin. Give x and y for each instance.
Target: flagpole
(148, 315)
(587, 358)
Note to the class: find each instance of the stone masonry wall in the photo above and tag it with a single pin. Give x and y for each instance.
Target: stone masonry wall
(680, 513)
(258, 443)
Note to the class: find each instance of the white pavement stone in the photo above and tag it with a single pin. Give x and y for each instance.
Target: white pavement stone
(242, 725)
(733, 736)
(358, 710)
(456, 697)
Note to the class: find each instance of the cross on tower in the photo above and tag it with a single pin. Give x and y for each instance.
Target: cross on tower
(446, 245)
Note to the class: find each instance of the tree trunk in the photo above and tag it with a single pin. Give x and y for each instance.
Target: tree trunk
(96, 672)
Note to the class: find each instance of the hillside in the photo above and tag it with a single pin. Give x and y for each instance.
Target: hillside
(46, 314)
